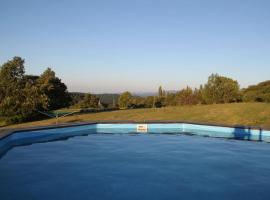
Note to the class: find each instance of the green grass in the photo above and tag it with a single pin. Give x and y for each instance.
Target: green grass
(251, 114)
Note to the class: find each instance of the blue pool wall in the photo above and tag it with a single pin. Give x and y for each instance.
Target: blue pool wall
(43, 135)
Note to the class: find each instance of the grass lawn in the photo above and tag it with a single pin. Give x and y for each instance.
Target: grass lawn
(251, 114)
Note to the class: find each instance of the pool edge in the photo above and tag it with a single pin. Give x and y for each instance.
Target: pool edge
(8, 132)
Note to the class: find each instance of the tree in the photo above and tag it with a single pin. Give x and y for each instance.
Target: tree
(137, 102)
(258, 93)
(19, 96)
(220, 89)
(149, 102)
(89, 101)
(171, 99)
(198, 93)
(125, 100)
(11, 78)
(13, 70)
(34, 100)
(54, 89)
(160, 100)
(160, 91)
(186, 97)
(22, 96)
(11, 85)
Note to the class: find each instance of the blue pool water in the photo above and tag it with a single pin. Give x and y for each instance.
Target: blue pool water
(130, 166)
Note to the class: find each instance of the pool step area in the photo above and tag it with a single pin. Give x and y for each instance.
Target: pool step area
(45, 135)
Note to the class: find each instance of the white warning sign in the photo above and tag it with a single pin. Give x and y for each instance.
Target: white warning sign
(143, 128)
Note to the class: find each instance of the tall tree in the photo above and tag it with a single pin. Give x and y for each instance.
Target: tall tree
(125, 100)
(220, 89)
(54, 89)
(160, 100)
(186, 97)
(11, 78)
(161, 92)
(19, 96)
(11, 85)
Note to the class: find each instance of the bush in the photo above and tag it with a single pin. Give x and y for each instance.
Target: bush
(258, 93)
(220, 89)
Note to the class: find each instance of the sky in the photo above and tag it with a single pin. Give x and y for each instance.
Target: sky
(136, 45)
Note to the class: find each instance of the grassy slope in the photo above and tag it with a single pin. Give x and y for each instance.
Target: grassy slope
(253, 114)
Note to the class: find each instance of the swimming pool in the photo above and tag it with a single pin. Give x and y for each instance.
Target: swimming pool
(113, 161)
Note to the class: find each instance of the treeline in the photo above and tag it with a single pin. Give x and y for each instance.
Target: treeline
(217, 90)
(22, 96)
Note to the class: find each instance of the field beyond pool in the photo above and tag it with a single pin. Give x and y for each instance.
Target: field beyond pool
(249, 114)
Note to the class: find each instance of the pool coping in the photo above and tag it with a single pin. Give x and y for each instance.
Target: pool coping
(8, 132)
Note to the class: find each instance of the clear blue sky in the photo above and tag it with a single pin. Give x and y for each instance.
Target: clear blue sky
(137, 45)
